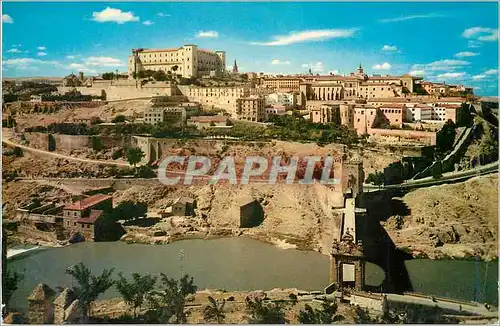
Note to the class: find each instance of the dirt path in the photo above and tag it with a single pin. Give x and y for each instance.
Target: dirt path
(62, 156)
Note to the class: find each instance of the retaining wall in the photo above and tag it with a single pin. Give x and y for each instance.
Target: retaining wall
(427, 137)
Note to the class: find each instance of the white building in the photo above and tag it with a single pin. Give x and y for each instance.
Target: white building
(284, 99)
(186, 61)
(157, 115)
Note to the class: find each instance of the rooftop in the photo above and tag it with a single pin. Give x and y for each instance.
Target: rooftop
(184, 200)
(88, 202)
(93, 216)
(392, 105)
(209, 118)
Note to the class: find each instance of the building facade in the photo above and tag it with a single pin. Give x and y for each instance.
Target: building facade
(251, 109)
(156, 115)
(187, 61)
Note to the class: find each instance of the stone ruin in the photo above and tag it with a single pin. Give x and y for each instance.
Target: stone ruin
(43, 309)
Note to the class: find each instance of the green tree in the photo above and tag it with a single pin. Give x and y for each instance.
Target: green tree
(52, 143)
(326, 315)
(89, 286)
(134, 155)
(264, 313)
(108, 76)
(168, 304)
(136, 291)
(96, 144)
(119, 118)
(18, 152)
(376, 178)
(160, 75)
(214, 311)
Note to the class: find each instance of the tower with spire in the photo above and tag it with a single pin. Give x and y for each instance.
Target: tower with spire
(235, 67)
(360, 70)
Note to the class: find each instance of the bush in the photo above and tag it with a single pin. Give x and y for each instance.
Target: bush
(118, 119)
(117, 154)
(96, 144)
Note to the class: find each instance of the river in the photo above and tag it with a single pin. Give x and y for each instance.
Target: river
(239, 264)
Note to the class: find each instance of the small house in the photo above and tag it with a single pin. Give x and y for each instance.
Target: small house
(184, 206)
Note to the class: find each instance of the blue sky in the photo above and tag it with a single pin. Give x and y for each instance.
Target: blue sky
(451, 42)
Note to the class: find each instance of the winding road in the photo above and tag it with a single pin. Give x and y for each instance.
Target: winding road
(62, 156)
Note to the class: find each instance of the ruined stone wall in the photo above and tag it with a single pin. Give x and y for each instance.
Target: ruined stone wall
(122, 92)
(31, 232)
(427, 137)
(40, 140)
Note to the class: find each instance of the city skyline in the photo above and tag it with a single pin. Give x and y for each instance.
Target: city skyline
(440, 41)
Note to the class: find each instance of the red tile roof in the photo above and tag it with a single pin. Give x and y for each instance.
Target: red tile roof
(87, 202)
(449, 106)
(94, 214)
(392, 105)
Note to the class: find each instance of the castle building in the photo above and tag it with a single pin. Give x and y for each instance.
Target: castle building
(187, 61)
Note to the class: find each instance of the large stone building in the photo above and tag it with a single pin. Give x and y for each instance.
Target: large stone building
(186, 61)
(50, 222)
(216, 97)
(155, 115)
(251, 108)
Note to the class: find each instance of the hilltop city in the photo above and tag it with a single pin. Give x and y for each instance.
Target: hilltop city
(416, 160)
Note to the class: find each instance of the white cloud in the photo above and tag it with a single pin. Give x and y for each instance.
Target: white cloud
(384, 66)
(14, 50)
(446, 64)
(451, 75)
(207, 34)
(70, 56)
(481, 33)
(41, 54)
(80, 67)
(416, 73)
(491, 72)
(389, 48)
(148, 23)
(114, 15)
(104, 62)
(6, 19)
(473, 44)
(28, 63)
(42, 48)
(161, 14)
(279, 62)
(411, 17)
(315, 66)
(478, 77)
(309, 36)
(466, 54)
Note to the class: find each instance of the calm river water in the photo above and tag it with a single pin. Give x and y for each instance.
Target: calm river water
(240, 264)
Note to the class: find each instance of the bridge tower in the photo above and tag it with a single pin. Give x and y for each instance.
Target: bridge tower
(347, 261)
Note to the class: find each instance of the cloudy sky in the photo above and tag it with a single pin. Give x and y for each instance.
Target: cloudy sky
(450, 42)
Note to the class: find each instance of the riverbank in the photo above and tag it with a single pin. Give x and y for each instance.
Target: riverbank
(234, 308)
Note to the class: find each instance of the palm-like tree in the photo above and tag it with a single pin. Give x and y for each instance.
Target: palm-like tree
(215, 310)
(89, 286)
